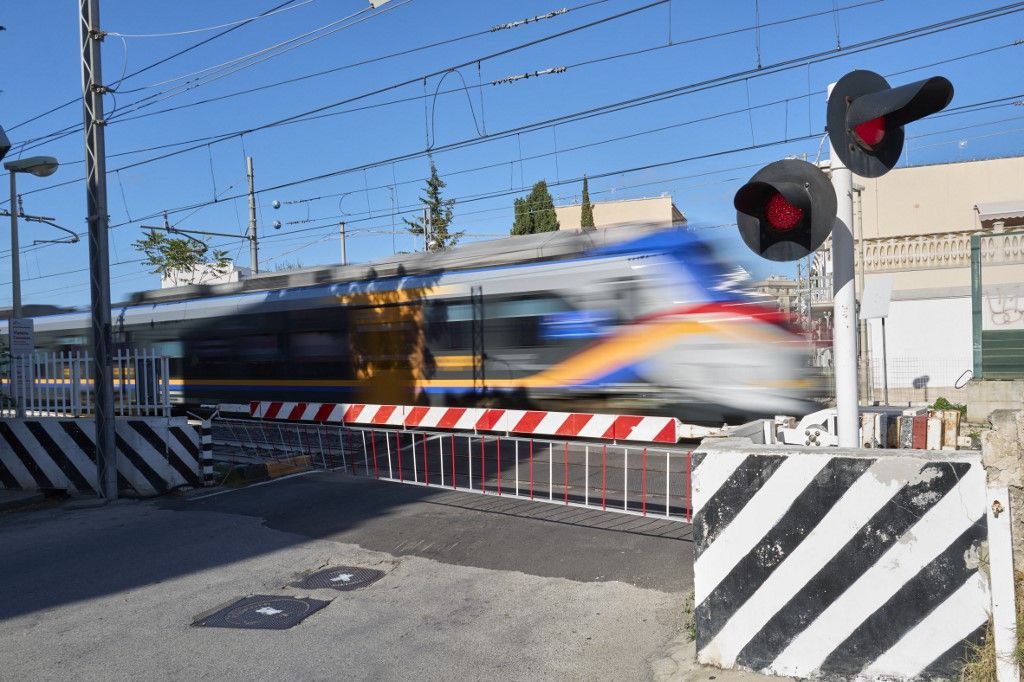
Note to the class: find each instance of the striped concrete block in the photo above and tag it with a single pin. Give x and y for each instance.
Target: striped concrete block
(154, 454)
(206, 452)
(837, 565)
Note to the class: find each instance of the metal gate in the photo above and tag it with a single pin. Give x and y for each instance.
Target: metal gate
(632, 479)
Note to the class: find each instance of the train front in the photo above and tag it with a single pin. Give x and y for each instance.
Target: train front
(709, 351)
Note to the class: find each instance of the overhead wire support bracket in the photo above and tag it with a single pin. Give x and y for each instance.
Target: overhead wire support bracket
(530, 74)
(530, 20)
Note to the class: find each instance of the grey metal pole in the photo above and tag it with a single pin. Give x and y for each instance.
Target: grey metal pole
(844, 304)
(254, 260)
(885, 366)
(15, 255)
(99, 258)
(344, 256)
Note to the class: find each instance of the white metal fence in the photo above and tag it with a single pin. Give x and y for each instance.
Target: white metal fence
(62, 385)
(651, 480)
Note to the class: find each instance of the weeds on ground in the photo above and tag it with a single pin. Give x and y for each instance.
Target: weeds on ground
(980, 662)
(689, 618)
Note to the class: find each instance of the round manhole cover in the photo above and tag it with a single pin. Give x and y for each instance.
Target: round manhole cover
(263, 612)
(341, 578)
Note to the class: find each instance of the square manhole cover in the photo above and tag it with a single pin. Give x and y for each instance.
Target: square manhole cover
(341, 578)
(262, 612)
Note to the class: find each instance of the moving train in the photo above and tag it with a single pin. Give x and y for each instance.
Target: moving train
(625, 319)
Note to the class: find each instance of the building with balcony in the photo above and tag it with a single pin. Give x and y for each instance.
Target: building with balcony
(915, 225)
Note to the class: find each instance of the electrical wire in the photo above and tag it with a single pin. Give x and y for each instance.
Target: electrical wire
(152, 65)
(209, 28)
(902, 36)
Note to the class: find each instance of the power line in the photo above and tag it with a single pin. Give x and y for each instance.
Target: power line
(209, 28)
(891, 39)
(148, 67)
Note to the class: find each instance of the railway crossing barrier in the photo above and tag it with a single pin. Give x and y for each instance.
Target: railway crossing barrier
(650, 479)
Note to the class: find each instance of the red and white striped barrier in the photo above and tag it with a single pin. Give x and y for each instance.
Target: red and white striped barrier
(478, 419)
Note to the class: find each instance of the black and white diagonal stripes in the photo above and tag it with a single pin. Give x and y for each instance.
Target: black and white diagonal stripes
(153, 455)
(811, 563)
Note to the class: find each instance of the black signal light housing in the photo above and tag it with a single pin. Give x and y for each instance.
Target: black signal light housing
(865, 118)
(786, 210)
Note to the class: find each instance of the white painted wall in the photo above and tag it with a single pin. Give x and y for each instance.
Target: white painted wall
(924, 337)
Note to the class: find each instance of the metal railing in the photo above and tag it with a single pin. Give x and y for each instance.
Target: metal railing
(633, 479)
(61, 385)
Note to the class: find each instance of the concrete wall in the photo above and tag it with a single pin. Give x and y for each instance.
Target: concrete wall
(937, 198)
(930, 337)
(842, 563)
(655, 211)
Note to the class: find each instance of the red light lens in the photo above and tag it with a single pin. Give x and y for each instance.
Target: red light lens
(781, 214)
(871, 132)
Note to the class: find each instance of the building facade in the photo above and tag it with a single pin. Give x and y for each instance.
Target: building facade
(657, 211)
(914, 226)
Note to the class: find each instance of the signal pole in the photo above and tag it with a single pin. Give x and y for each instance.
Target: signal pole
(99, 257)
(254, 259)
(844, 303)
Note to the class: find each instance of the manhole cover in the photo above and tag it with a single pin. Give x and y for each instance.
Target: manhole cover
(343, 578)
(263, 612)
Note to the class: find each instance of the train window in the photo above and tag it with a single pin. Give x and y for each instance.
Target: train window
(316, 346)
(172, 349)
(262, 347)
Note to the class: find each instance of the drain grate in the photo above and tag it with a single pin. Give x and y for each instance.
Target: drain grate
(262, 612)
(341, 578)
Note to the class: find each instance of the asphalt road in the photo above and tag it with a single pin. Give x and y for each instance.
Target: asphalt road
(476, 586)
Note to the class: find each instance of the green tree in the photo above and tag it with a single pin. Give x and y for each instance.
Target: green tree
(586, 209)
(182, 260)
(440, 211)
(536, 212)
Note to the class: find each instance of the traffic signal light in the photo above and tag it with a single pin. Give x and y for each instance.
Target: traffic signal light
(786, 210)
(865, 118)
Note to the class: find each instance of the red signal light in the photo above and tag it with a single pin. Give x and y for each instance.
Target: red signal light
(871, 132)
(781, 214)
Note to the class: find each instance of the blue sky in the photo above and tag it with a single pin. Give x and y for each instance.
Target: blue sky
(700, 164)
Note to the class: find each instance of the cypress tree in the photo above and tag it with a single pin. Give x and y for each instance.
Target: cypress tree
(587, 209)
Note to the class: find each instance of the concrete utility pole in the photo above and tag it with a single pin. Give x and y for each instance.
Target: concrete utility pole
(844, 303)
(99, 258)
(254, 258)
(344, 257)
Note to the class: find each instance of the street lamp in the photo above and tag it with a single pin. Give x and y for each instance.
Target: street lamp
(40, 166)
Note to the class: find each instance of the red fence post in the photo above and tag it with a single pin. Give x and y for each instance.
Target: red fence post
(643, 484)
(604, 477)
(565, 482)
(531, 468)
(426, 465)
(688, 511)
(454, 482)
(398, 448)
(373, 442)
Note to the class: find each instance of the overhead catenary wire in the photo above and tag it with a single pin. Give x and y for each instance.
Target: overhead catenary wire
(204, 29)
(918, 32)
(152, 65)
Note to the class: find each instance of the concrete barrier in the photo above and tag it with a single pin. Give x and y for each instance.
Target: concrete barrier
(840, 563)
(154, 454)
